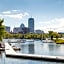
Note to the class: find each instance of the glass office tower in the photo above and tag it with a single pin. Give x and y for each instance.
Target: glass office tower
(31, 25)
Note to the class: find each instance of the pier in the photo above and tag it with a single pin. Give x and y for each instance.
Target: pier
(9, 52)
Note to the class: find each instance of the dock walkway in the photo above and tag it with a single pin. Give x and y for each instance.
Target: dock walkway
(9, 49)
(11, 53)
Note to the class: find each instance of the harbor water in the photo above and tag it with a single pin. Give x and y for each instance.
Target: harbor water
(35, 47)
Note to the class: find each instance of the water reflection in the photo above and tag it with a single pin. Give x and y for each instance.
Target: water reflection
(57, 46)
(24, 49)
(27, 48)
(38, 48)
(51, 47)
(28, 61)
(0, 56)
(31, 48)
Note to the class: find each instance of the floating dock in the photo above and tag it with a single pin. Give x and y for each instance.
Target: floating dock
(11, 53)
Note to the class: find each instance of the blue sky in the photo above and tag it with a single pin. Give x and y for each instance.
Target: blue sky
(48, 14)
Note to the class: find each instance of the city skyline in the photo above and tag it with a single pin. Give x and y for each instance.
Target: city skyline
(48, 14)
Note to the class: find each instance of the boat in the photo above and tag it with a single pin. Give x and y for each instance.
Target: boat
(16, 48)
(23, 40)
(47, 41)
(30, 40)
(17, 41)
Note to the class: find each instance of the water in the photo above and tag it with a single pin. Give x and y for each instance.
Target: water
(36, 47)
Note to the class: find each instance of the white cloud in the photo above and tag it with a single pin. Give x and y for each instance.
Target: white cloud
(26, 14)
(11, 11)
(6, 12)
(15, 10)
(16, 16)
(56, 24)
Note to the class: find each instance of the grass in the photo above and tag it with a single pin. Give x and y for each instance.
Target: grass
(59, 41)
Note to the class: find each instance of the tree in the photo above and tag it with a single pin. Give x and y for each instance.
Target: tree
(54, 35)
(50, 34)
(2, 29)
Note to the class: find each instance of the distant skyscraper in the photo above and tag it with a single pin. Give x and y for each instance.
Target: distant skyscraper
(31, 25)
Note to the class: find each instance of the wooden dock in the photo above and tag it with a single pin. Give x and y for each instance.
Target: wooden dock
(11, 53)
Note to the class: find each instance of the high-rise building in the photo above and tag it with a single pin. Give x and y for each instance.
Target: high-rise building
(16, 30)
(21, 29)
(31, 25)
(25, 30)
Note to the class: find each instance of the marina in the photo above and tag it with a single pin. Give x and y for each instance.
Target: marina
(32, 52)
(9, 52)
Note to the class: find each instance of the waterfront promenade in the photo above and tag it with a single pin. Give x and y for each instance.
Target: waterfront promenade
(9, 52)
